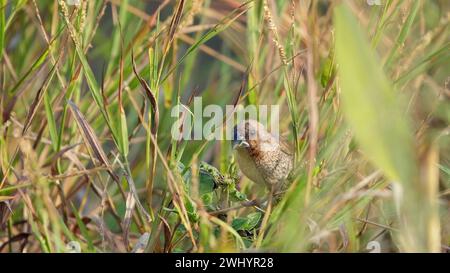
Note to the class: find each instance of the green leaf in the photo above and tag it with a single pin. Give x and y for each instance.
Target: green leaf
(253, 220)
(248, 223)
(207, 183)
(239, 223)
(236, 195)
(210, 177)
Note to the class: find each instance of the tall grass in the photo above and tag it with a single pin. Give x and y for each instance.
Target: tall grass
(86, 153)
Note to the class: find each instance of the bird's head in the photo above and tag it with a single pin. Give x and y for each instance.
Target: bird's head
(250, 134)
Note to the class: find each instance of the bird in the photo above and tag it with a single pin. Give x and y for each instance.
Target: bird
(261, 156)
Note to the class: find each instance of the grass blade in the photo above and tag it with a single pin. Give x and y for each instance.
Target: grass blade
(91, 140)
(2, 26)
(378, 117)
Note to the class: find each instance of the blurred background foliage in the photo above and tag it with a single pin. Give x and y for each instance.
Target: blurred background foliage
(86, 152)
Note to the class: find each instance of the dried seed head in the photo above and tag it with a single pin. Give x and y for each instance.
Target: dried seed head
(271, 26)
(72, 31)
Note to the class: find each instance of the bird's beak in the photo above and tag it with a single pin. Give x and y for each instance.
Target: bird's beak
(240, 144)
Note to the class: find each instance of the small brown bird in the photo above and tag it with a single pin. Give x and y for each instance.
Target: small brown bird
(261, 156)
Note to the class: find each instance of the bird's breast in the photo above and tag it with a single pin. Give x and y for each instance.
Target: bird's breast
(248, 166)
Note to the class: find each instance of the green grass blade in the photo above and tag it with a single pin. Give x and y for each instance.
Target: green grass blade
(403, 33)
(51, 121)
(2, 26)
(370, 104)
(224, 24)
(377, 115)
